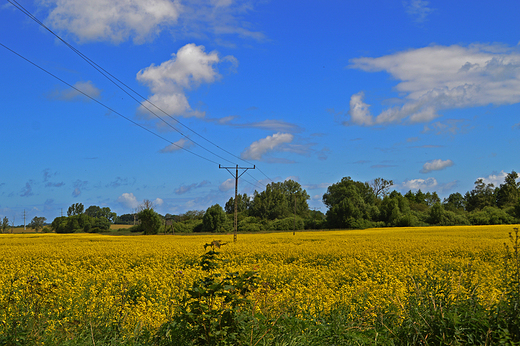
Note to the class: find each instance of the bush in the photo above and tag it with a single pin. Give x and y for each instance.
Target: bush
(490, 216)
(286, 224)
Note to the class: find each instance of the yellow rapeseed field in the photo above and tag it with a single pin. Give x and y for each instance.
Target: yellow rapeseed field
(72, 279)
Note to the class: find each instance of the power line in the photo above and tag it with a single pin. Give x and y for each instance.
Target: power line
(107, 107)
(118, 83)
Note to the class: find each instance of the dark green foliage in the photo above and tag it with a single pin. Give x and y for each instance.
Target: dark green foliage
(215, 310)
(99, 212)
(214, 219)
(75, 209)
(490, 216)
(280, 200)
(287, 224)
(151, 222)
(243, 204)
(351, 204)
(79, 223)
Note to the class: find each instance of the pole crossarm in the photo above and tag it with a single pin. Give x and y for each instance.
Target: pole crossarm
(236, 176)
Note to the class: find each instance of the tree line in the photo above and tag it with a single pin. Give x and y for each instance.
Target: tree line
(283, 206)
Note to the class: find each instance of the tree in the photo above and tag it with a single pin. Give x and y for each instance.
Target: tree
(381, 186)
(508, 192)
(151, 222)
(243, 204)
(214, 219)
(75, 209)
(350, 204)
(280, 200)
(37, 223)
(483, 195)
(5, 224)
(454, 202)
(99, 212)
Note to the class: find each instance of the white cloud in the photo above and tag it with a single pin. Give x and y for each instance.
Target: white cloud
(227, 185)
(158, 202)
(436, 78)
(87, 88)
(180, 144)
(128, 200)
(495, 179)
(112, 20)
(257, 149)
(436, 165)
(416, 184)
(187, 69)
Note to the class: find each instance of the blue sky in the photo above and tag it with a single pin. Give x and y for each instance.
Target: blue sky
(425, 93)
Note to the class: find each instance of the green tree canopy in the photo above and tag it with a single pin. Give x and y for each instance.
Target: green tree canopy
(214, 219)
(280, 200)
(37, 223)
(99, 212)
(351, 204)
(151, 222)
(75, 209)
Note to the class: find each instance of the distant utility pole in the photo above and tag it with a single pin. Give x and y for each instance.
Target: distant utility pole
(24, 219)
(236, 176)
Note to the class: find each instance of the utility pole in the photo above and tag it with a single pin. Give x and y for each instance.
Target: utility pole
(24, 220)
(294, 229)
(236, 176)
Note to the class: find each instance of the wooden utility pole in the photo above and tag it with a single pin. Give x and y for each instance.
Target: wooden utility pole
(236, 176)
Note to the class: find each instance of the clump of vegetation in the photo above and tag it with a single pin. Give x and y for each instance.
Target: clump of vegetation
(215, 310)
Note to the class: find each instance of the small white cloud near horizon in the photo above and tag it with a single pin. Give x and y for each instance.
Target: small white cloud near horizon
(495, 179)
(158, 202)
(436, 78)
(227, 185)
(259, 148)
(168, 82)
(128, 200)
(419, 184)
(436, 165)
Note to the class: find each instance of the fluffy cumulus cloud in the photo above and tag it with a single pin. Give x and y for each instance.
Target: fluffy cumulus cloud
(437, 78)
(128, 200)
(419, 184)
(271, 143)
(142, 20)
(436, 165)
(112, 20)
(187, 69)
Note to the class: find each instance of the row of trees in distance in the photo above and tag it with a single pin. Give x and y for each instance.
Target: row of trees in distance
(283, 206)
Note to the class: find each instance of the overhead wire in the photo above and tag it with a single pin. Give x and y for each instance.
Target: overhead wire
(102, 104)
(113, 79)
(119, 84)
